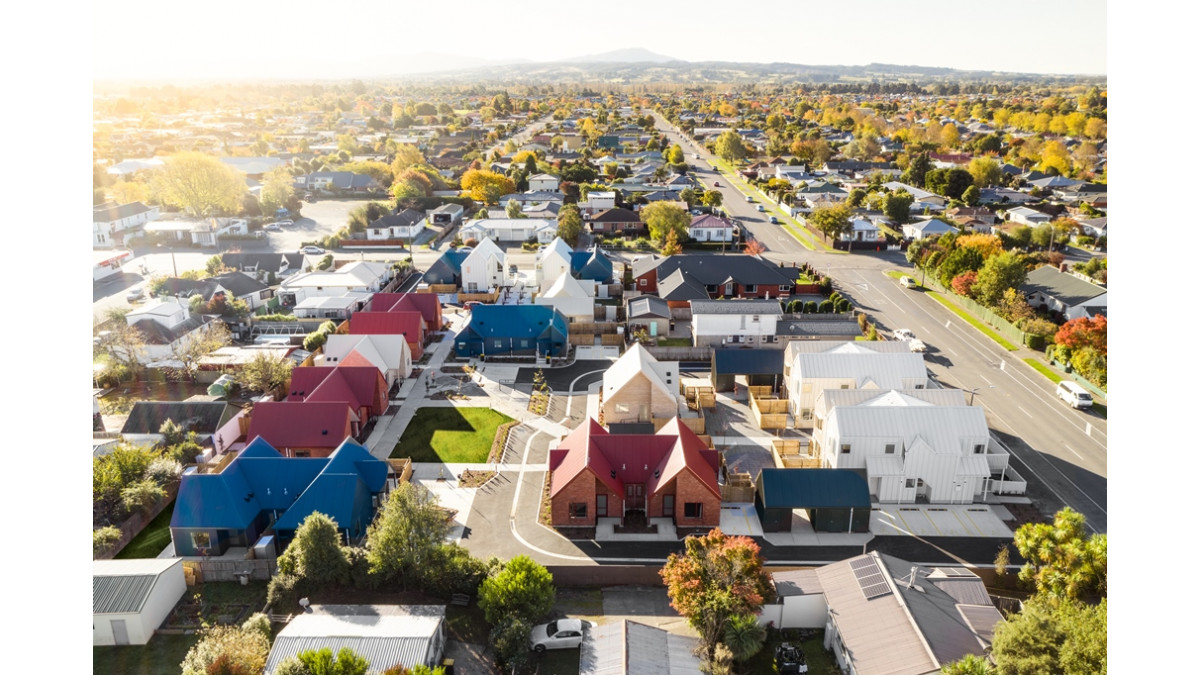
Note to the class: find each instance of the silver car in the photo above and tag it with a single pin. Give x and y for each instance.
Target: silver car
(561, 634)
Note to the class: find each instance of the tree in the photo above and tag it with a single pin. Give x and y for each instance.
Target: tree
(316, 554)
(716, 578)
(1014, 307)
(405, 534)
(141, 494)
(277, 191)
(406, 157)
(729, 147)
(711, 198)
(754, 247)
(194, 346)
(918, 166)
(1084, 332)
(265, 373)
(199, 184)
(513, 209)
(948, 182)
(103, 539)
(998, 273)
(971, 195)
(1044, 637)
(958, 261)
(969, 665)
(411, 184)
(1062, 561)
(570, 224)
(662, 218)
(487, 186)
(126, 192)
(744, 636)
(323, 662)
(831, 221)
(522, 589)
(230, 649)
(671, 246)
(510, 640)
(896, 206)
(984, 171)
(124, 345)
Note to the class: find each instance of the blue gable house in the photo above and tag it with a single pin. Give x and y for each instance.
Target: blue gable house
(513, 330)
(446, 269)
(591, 265)
(262, 491)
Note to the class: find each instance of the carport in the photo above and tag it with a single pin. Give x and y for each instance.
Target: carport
(762, 367)
(837, 500)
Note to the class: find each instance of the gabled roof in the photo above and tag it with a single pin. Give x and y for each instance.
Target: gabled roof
(446, 269)
(203, 417)
(932, 225)
(382, 351)
(516, 321)
(409, 324)
(110, 212)
(405, 218)
(813, 489)
(647, 305)
(737, 307)
(710, 221)
(558, 248)
(566, 286)
(713, 269)
(123, 586)
(617, 215)
(888, 370)
(356, 385)
(239, 284)
(272, 262)
(591, 265)
(383, 635)
(678, 287)
(1066, 288)
(637, 360)
(301, 424)
(944, 430)
(627, 647)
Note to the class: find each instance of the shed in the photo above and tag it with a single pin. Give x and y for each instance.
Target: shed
(630, 648)
(762, 367)
(131, 598)
(836, 500)
(384, 635)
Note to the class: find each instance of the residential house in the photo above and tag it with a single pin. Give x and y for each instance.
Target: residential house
(851, 365)
(551, 262)
(132, 598)
(113, 223)
(639, 388)
(1049, 288)
(326, 307)
(614, 221)
(598, 201)
(760, 367)
(263, 492)
(730, 276)
(390, 354)
(409, 324)
(999, 195)
(592, 265)
(964, 215)
(1095, 227)
(511, 230)
(628, 647)
(711, 228)
(360, 279)
(304, 429)
(144, 424)
(445, 215)
(362, 387)
(484, 269)
(1028, 216)
(165, 325)
(573, 298)
(922, 199)
(513, 330)
(383, 635)
(108, 263)
(426, 303)
(262, 265)
(543, 182)
(670, 474)
(863, 230)
(649, 311)
(242, 287)
(400, 224)
(447, 270)
(750, 323)
(337, 181)
(926, 228)
(883, 615)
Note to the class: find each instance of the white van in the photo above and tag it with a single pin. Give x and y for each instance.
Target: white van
(1075, 395)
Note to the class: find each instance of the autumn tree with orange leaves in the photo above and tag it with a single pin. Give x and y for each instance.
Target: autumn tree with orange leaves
(716, 578)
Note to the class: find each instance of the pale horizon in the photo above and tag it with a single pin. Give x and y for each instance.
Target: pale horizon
(308, 40)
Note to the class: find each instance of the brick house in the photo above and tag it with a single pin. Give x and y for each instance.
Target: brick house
(618, 221)
(409, 324)
(668, 474)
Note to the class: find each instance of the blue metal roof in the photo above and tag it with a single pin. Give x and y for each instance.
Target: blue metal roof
(591, 265)
(813, 489)
(748, 361)
(515, 321)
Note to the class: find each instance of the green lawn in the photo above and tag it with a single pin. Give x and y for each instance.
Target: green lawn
(162, 654)
(453, 435)
(820, 662)
(674, 342)
(153, 539)
(979, 325)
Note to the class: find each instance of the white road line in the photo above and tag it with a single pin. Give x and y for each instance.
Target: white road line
(1025, 411)
(1073, 452)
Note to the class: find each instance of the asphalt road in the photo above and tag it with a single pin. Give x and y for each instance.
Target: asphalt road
(1062, 452)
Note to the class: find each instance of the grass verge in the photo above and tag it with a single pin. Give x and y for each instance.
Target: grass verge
(979, 325)
(152, 539)
(1044, 370)
(452, 435)
(162, 654)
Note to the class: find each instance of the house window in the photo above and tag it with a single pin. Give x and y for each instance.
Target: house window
(919, 386)
(751, 288)
(754, 318)
(845, 386)
(692, 509)
(264, 295)
(622, 407)
(668, 506)
(845, 448)
(641, 282)
(910, 483)
(820, 423)
(601, 505)
(806, 413)
(497, 344)
(889, 449)
(578, 510)
(201, 541)
(979, 449)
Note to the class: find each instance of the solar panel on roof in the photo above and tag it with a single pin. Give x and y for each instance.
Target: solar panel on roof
(870, 579)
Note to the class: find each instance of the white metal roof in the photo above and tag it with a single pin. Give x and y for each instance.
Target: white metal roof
(122, 586)
(384, 635)
(946, 430)
(886, 370)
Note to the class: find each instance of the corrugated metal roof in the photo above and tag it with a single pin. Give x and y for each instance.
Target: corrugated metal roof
(771, 307)
(813, 488)
(946, 430)
(631, 648)
(797, 582)
(1066, 288)
(122, 586)
(748, 361)
(384, 635)
(841, 346)
(886, 370)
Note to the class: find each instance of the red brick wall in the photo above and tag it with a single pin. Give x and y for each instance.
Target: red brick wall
(584, 489)
(760, 291)
(689, 489)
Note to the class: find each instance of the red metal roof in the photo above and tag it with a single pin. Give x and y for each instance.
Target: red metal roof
(425, 303)
(357, 385)
(409, 324)
(301, 424)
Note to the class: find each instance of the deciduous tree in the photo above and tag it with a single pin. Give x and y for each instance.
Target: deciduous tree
(729, 147)
(831, 221)
(406, 156)
(716, 578)
(1069, 637)
(200, 184)
(896, 206)
(998, 273)
(265, 373)
(324, 662)
(277, 191)
(671, 246)
(522, 588)
(194, 346)
(570, 224)
(487, 186)
(405, 534)
(1084, 332)
(661, 218)
(984, 171)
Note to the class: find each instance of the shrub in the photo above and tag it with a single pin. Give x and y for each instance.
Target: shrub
(141, 494)
(314, 341)
(510, 639)
(810, 307)
(523, 589)
(284, 591)
(163, 470)
(1085, 240)
(842, 305)
(826, 307)
(104, 538)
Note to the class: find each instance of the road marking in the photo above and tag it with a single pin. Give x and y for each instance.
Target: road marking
(1073, 452)
(1025, 411)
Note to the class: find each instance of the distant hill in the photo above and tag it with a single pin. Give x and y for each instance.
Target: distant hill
(631, 55)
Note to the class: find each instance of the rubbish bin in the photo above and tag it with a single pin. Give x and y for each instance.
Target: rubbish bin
(448, 666)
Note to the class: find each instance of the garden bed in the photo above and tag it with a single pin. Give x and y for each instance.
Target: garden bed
(471, 478)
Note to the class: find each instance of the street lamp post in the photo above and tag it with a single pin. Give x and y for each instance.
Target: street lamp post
(976, 390)
(174, 269)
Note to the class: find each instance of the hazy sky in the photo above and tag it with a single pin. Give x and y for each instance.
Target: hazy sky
(306, 38)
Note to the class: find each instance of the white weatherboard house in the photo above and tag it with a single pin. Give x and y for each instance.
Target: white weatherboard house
(551, 262)
(574, 298)
(389, 353)
(735, 322)
(484, 268)
(914, 447)
(384, 635)
(362, 277)
(848, 366)
(131, 598)
(510, 230)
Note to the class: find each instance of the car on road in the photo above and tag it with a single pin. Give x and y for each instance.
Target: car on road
(774, 220)
(286, 222)
(272, 227)
(903, 334)
(906, 335)
(760, 207)
(750, 199)
(1075, 395)
(908, 282)
(135, 294)
(695, 155)
(560, 634)
(312, 250)
(716, 183)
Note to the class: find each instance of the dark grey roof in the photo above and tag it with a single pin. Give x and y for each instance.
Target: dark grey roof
(1064, 287)
(157, 334)
(110, 212)
(239, 284)
(405, 218)
(647, 305)
(617, 216)
(203, 417)
(817, 328)
(678, 287)
(747, 361)
(736, 307)
(271, 262)
(813, 489)
(714, 269)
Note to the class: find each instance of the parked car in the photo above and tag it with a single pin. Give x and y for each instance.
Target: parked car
(272, 227)
(561, 634)
(716, 183)
(774, 220)
(310, 198)
(135, 294)
(750, 199)
(695, 155)
(286, 222)
(908, 282)
(1075, 395)
(312, 250)
(903, 334)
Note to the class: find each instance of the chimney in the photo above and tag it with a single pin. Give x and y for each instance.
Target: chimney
(912, 576)
(1062, 267)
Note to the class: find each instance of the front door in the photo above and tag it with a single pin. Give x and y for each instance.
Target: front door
(635, 496)
(120, 634)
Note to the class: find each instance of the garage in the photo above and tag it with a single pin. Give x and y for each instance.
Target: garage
(836, 500)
